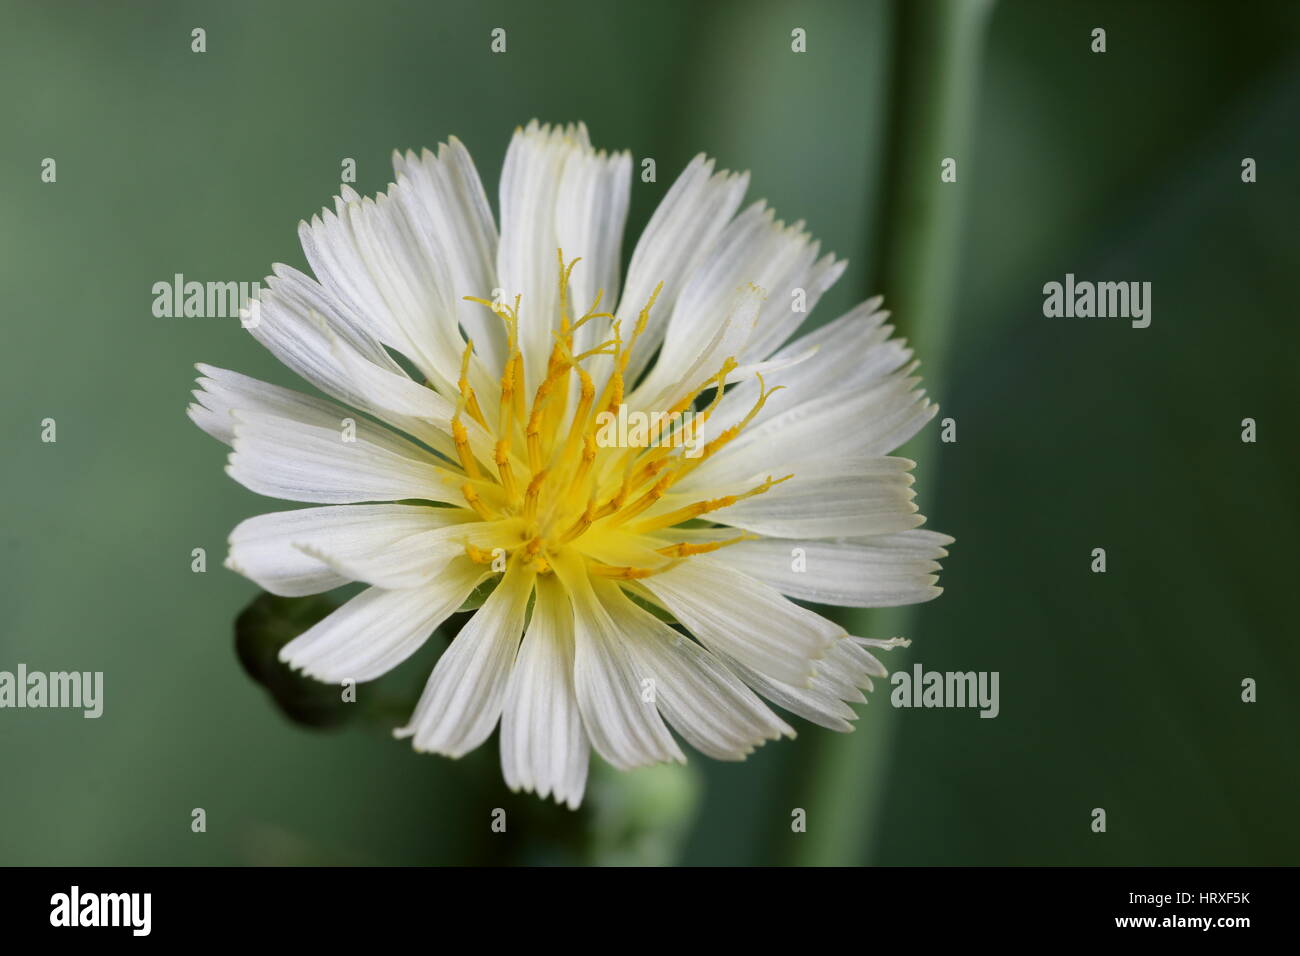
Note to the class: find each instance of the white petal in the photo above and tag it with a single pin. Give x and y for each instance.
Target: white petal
(418, 559)
(377, 630)
(416, 409)
(466, 691)
(623, 726)
(874, 667)
(853, 351)
(681, 232)
(527, 259)
(266, 549)
(543, 746)
(313, 463)
(846, 668)
(704, 701)
(314, 336)
(754, 249)
(734, 615)
(350, 268)
(420, 411)
(291, 310)
(667, 383)
(413, 284)
(448, 209)
(829, 499)
(846, 355)
(781, 313)
(880, 571)
(222, 392)
(813, 703)
(590, 212)
(865, 423)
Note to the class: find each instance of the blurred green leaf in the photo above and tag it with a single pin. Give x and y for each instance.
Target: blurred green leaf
(266, 625)
(641, 818)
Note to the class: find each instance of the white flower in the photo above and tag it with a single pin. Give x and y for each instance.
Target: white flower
(779, 483)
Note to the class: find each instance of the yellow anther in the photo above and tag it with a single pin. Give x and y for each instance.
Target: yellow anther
(466, 391)
(642, 320)
(659, 489)
(685, 549)
(609, 347)
(612, 397)
(592, 313)
(479, 555)
(565, 273)
(682, 404)
(622, 573)
(502, 457)
(474, 501)
(532, 494)
(649, 469)
(764, 394)
(577, 486)
(506, 404)
(572, 484)
(582, 524)
(701, 507)
(518, 387)
(463, 452)
(575, 438)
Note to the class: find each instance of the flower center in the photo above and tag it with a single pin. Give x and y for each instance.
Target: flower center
(558, 482)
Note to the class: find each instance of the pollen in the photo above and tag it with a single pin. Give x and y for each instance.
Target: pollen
(547, 468)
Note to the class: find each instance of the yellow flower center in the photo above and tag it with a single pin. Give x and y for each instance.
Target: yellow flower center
(554, 486)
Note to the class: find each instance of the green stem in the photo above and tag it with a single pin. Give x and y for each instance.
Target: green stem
(937, 48)
(938, 52)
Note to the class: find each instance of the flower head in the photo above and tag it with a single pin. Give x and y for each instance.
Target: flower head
(645, 476)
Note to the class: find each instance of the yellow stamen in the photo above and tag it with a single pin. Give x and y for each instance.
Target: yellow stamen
(625, 573)
(645, 501)
(701, 507)
(684, 549)
(478, 555)
(764, 393)
(474, 501)
(463, 452)
(573, 486)
(583, 523)
(502, 458)
(532, 494)
(466, 391)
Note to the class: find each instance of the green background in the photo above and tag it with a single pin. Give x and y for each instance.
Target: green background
(1118, 690)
